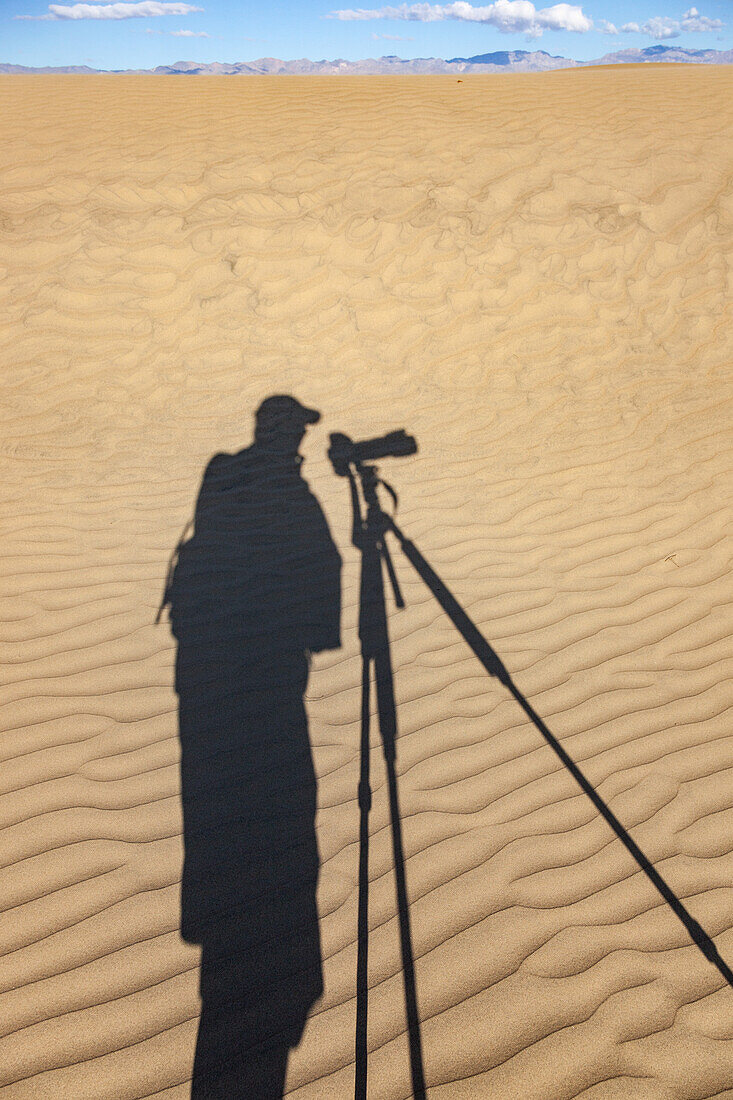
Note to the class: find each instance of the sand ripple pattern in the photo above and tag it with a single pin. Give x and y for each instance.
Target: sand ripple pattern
(532, 274)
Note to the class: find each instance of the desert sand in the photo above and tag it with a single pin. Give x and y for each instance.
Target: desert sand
(532, 274)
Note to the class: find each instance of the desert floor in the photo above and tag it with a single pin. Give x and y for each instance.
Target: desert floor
(532, 274)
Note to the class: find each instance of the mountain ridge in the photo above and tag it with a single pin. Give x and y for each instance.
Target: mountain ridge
(498, 61)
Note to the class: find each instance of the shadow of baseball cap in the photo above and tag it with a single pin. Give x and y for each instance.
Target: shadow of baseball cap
(283, 413)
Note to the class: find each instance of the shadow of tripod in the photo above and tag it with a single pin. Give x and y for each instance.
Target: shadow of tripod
(369, 536)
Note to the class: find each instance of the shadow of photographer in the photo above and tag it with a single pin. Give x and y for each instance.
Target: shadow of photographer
(254, 591)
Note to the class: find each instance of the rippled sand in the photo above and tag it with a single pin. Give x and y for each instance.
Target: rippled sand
(532, 274)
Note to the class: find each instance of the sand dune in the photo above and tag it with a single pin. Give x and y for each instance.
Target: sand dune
(532, 275)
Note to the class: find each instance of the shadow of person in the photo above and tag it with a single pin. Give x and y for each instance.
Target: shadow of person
(255, 590)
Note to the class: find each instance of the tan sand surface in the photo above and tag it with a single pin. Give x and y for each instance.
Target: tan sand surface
(533, 275)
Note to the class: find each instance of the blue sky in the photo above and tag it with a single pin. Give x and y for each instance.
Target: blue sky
(145, 33)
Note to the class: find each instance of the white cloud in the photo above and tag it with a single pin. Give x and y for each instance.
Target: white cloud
(144, 9)
(661, 26)
(190, 34)
(693, 21)
(508, 16)
(563, 17)
(607, 28)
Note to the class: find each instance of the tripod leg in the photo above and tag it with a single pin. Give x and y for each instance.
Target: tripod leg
(374, 636)
(388, 726)
(362, 970)
(493, 665)
(696, 932)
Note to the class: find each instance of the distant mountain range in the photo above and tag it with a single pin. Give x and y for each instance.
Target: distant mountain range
(503, 61)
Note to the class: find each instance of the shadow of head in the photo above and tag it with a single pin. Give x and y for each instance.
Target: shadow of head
(281, 422)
